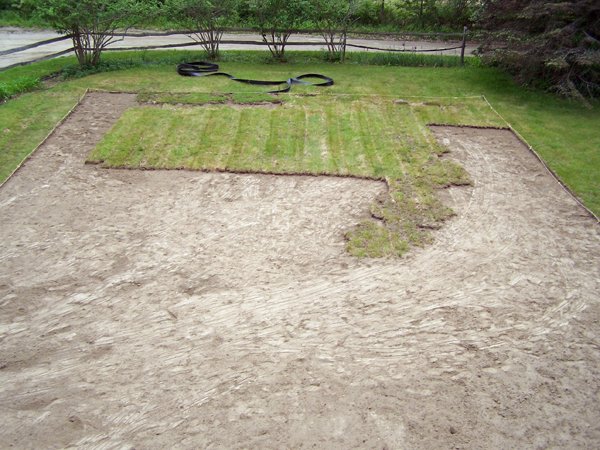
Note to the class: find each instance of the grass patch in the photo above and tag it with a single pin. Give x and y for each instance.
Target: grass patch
(371, 137)
(19, 80)
(18, 86)
(408, 59)
(371, 123)
(25, 121)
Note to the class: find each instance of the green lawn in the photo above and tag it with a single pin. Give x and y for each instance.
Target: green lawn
(357, 127)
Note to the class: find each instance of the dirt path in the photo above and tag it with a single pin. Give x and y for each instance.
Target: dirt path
(190, 310)
(15, 37)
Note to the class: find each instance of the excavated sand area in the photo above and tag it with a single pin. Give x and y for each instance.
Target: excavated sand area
(174, 309)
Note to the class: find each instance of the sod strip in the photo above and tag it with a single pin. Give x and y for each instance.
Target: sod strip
(30, 154)
(366, 138)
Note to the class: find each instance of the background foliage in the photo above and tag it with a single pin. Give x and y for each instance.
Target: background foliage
(415, 15)
(552, 44)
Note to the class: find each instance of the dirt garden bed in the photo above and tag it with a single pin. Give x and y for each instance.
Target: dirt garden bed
(155, 309)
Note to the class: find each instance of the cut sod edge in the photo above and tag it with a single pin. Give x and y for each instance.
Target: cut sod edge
(245, 172)
(30, 154)
(295, 94)
(231, 103)
(477, 127)
(539, 158)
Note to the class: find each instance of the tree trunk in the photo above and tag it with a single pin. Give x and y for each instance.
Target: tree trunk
(209, 39)
(336, 44)
(276, 43)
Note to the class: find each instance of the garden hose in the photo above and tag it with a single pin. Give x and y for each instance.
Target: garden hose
(203, 68)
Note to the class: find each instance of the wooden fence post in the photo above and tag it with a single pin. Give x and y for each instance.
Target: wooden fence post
(462, 48)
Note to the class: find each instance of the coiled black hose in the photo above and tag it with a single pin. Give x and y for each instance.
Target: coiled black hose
(203, 69)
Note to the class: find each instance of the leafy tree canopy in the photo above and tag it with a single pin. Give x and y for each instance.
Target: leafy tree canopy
(276, 19)
(204, 20)
(92, 23)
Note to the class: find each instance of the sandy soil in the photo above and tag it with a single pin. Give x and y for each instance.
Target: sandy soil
(189, 310)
